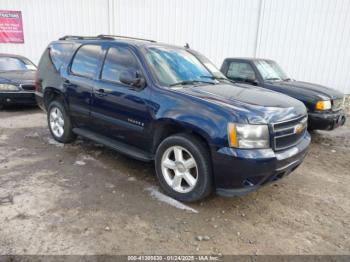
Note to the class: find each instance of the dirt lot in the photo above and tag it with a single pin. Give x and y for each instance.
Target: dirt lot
(83, 198)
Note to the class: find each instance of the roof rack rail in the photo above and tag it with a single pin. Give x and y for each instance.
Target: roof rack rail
(126, 37)
(67, 37)
(106, 37)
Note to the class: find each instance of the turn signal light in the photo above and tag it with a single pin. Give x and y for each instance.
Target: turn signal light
(323, 105)
(232, 135)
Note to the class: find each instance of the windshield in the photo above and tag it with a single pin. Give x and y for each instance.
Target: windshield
(15, 64)
(270, 70)
(173, 66)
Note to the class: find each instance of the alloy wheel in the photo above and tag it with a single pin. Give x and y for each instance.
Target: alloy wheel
(179, 169)
(56, 122)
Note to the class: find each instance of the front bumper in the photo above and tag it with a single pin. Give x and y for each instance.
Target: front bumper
(326, 121)
(17, 98)
(240, 171)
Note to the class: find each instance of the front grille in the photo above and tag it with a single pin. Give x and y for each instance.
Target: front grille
(338, 104)
(289, 133)
(28, 87)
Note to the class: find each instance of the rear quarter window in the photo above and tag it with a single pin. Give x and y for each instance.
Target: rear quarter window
(59, 53)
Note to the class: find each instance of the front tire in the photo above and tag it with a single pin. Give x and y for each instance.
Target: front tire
(183, 167)
(59, 122)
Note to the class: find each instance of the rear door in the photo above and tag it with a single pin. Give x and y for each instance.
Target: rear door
(118, 110)
(80, 81)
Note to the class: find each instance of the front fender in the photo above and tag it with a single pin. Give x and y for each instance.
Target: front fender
(205, 121)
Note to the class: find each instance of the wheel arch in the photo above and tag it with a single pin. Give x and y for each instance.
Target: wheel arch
(51, 94)
(167, 127)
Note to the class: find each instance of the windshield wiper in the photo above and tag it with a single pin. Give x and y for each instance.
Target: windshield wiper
(219, 78)
(273, 78)
(215, 77)
(191, 82)
(287, 79)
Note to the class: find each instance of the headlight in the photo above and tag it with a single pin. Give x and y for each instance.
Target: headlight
(8, 87)
(323, 105)
(248, 136)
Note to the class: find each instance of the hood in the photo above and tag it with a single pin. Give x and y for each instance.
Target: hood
(308, 91)
(257, 105)
(18, 77)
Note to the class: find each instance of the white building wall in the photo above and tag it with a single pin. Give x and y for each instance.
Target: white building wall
(309, 38)
(47, 20)
(217, 28)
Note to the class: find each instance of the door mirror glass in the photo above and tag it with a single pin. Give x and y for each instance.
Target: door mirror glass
(251, 80)
(132, 78)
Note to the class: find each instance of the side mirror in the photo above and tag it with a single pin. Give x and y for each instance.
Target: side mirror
(132, 78)
(252, 81)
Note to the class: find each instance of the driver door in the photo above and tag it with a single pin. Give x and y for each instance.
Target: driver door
(242, 72)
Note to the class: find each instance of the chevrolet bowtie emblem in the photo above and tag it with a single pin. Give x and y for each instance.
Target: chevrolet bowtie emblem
(298, 128)
(301, 126)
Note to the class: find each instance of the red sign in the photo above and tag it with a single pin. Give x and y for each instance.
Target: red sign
(11, 27)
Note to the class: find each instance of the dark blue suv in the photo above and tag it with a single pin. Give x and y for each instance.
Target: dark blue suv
(171, 105)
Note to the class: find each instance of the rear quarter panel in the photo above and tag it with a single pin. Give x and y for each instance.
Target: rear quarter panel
(52, 62)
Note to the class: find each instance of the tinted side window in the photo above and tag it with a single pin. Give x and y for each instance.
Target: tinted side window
(86, 61)
(118, 59)
(59, 52)
(241, 71)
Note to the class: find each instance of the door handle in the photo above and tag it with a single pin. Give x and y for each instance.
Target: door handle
(100, 92)
(68, 83)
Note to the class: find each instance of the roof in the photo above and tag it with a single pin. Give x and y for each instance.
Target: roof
(13, 55)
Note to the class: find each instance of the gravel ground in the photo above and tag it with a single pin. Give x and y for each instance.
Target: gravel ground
(83, 198)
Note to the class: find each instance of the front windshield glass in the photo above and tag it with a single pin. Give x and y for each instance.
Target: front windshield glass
(270, 70)
(173, 66)
(14, 64)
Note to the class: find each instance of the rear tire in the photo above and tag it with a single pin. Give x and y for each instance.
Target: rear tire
(59, 122)
(183, 167)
